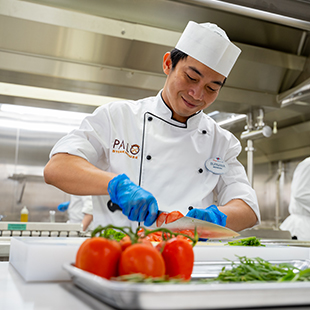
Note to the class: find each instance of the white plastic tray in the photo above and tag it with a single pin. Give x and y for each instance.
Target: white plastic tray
(41, 259)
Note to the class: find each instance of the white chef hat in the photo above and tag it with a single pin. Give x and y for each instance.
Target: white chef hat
(210, 45)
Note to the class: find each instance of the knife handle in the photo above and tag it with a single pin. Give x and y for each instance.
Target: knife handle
(113, 206)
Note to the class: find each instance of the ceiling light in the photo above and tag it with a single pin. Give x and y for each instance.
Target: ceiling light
(34, 111)
(8, 89)
(297, 95)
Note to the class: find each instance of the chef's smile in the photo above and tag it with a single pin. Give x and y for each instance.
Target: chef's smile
(188, 104)
(190, 87)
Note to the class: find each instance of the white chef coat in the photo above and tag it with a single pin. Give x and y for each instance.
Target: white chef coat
(78, 207)
(163, 156)
(298, 222)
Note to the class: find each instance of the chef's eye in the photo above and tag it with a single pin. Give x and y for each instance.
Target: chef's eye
(189, 77)
(212, 89)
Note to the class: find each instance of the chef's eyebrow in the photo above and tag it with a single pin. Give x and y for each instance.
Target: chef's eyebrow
(200, 74)
(196, 70)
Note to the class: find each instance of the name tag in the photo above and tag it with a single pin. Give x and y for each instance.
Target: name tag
(216, 165)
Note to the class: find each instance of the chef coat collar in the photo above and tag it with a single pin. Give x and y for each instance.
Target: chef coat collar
(166, 113)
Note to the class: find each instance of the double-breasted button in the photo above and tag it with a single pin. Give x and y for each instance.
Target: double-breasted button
(150, 118)
(204, 132)
(200, 170)
(148, 157)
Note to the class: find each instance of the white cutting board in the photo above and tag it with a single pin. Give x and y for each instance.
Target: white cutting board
(215, 252)
(41, 259)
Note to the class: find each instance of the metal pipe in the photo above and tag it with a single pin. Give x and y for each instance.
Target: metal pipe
(260, 119)
(253, 132)
(301, 43)
(264, 132)
(249, 12)
(250, 164)
(278, 196)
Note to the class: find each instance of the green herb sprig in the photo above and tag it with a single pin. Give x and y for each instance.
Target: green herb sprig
(258, 269)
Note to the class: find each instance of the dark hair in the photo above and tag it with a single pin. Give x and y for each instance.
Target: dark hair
(177, 55)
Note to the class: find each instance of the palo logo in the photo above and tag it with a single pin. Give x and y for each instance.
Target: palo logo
(122, 147)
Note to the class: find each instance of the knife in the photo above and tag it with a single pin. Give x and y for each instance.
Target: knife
(205, 230)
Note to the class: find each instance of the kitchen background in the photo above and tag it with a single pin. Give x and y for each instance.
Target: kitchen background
(71, 56)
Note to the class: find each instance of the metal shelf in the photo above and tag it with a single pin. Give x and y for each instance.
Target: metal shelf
(38, 229)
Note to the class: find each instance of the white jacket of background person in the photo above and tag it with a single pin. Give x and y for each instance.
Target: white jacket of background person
(78, 207)
(298, 222)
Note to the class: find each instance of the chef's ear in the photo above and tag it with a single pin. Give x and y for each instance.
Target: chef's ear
(167, 63)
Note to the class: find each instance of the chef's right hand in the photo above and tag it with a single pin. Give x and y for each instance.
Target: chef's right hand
(63, 206)
(136, 203)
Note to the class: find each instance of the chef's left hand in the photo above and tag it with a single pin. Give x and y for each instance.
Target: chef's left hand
(211, 214)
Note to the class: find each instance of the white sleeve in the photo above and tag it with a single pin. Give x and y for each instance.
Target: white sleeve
(235, 184)
(90, 141)
(87, 205)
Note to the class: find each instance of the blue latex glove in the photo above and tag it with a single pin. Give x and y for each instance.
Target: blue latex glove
(63, 206)
(211, 214)
(137, 204)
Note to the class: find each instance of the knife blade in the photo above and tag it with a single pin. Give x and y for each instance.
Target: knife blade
(206, 230)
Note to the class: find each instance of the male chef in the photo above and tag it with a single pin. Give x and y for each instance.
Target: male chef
(163, 152)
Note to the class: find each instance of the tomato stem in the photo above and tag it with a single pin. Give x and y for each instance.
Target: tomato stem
(134, 236)
(125, 229)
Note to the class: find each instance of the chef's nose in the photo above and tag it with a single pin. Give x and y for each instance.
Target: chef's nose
(196, 92)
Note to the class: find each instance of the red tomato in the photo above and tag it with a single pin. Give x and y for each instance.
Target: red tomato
(146, 241)
(178, 255)
(99, 256)
(149, 238)
(173, 216)
(161, 219)
(125, 243)
(154, 237)
(188, 232)
(142, 258)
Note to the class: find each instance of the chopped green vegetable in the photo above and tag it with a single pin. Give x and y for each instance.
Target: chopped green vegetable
(257, 269)
(110, 233)
(250, 241)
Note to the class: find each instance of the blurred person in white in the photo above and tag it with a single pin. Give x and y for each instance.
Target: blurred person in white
(80, 210)
(298, 222)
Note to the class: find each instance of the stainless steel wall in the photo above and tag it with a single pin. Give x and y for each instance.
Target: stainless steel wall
(24, 151)
(272, 183)
(25, 143)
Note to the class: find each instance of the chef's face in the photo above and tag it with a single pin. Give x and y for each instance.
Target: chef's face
(190, 87)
